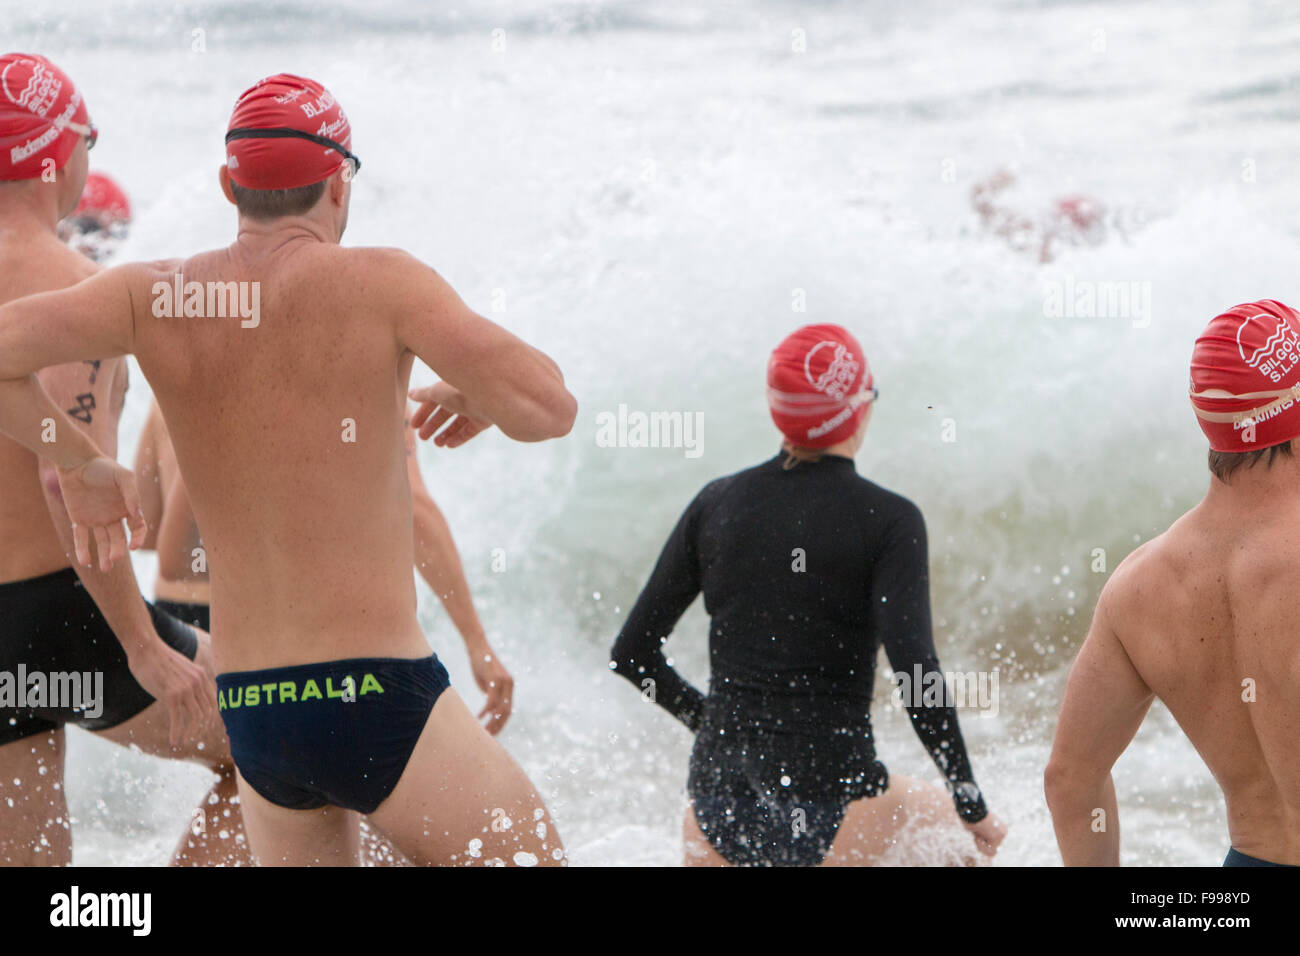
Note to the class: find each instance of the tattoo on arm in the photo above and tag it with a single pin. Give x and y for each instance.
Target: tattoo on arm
(94, 368)
(85, 405)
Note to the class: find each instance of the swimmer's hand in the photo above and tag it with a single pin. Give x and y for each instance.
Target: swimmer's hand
(494, 680)
(183, 686)
(441, 403)
(98, 494)
(989, 834)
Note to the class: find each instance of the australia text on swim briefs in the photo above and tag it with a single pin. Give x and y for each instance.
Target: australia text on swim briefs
(53, 690)
(208, 300)
(291, 692)
(634, 429)
(975, 690)
(75, 908)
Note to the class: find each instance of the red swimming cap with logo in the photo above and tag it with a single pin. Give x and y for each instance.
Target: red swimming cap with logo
(818, 382)
(37, 102)
(286, 102)
(104, 199)
(1245, 383)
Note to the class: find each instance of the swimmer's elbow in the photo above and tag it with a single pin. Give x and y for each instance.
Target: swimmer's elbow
(621, 661)
(551, 417)
(564, 414)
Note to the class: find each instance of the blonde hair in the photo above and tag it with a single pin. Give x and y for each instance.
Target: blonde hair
(794, 454)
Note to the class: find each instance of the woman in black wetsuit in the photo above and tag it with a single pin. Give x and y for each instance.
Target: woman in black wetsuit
(806, 569)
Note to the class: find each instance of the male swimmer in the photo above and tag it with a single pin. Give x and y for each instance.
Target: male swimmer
(784, 769)
(182, 588)
(54, 619)
(1203, 616)
(284, 393)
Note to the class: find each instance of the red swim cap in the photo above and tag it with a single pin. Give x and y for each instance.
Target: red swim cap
(1246, 377)
(103, 199)
(818, 386)
(41, 116)
(286, 131)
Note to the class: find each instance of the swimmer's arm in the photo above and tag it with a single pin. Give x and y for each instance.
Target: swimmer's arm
(163, 672)
(91, 320)
(437, 559)
(439, 564)
(1105, 703)
(180, 533)
(638, 652)
(504, 381)
(901, 598)
(149, 479)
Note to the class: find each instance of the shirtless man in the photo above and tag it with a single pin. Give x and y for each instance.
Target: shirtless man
(285, 404)
(182, 587)
(1204, 615)
(54, 619)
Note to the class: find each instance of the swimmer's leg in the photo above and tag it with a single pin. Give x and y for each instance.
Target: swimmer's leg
(215, 835)
(910, 824)
(278, 836)
(34, 827)
(696, 848)
(376, 850)
(463, 800)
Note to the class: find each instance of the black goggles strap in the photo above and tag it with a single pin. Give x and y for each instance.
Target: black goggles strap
(286, 132)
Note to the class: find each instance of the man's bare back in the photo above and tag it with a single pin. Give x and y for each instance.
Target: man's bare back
(290, 438)
(1207, 613)
(1204, 615)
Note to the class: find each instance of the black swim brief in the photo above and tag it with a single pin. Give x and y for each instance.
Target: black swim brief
(765, 799)
(336, 733)
(1237, 858)
(50, 626)
(196, 615)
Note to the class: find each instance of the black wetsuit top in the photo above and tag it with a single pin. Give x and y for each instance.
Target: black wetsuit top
(805, 572)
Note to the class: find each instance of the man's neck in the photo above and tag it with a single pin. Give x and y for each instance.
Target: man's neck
(1257, 483)
(263, 236)
(28, 206)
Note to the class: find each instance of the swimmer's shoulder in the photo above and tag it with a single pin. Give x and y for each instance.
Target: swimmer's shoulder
(877, 500)
(1148, 583)
(380, 261)
(142, 278)
(42, 265)
(386, 274)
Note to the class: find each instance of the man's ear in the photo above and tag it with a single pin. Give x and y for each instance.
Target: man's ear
(223, 174)
(339, 184)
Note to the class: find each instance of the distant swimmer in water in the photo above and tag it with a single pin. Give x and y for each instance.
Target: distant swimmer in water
(1070, 220)
(135, 675)
(1203, 617)
(806, 569)
(101, 220)
(182, 587)
(284, 391)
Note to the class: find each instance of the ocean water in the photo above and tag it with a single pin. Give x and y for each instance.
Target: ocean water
(655, 193)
